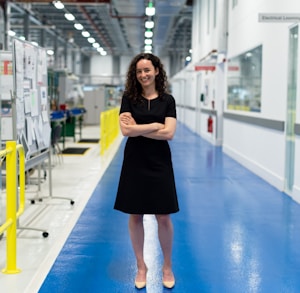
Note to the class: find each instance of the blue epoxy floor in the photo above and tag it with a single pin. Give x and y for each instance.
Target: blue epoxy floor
(234, 232)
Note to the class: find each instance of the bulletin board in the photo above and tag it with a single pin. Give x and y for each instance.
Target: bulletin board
(31, 114)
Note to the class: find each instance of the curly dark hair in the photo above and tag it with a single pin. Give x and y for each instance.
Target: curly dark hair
(133, 88)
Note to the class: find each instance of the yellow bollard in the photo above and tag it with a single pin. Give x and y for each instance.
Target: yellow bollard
(109, 127)
(11, 209)
(21, 152)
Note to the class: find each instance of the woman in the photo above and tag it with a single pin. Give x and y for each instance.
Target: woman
(147, 186)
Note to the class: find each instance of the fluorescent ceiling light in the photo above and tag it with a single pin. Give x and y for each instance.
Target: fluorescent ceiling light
(148, 41)
(78, 26)
(11, 33)
(69, 16)
(50, 52)
(149, 24)
(96, 45)
(100, 49)
(58, 5)
(150, 10)
(103, 53)
(91, 40)
(85, 34)
(148, 34)
(148, 48)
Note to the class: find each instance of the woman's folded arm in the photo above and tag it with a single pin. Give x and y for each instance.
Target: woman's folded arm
(130, 128)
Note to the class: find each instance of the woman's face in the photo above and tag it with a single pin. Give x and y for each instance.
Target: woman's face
(145, 72)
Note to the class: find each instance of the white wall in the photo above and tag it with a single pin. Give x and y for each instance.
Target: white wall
(296, 188)
(246, 32)
(102, 66)
(125, 61)
(101, 70)
(261, 149)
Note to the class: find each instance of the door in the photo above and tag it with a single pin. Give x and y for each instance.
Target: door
(291, 110)
(94, 105)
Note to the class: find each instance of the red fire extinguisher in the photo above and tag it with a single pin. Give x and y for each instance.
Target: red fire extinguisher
(210, 122)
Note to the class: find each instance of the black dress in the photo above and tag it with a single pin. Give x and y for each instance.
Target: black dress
(147, 184)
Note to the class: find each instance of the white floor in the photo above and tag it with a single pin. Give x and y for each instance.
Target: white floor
(75, 178)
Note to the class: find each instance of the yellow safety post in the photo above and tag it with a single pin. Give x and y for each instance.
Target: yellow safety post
(11, 203)
(21, 153)
(109, 127)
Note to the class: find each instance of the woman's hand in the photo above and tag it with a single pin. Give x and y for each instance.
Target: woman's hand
(159, 126)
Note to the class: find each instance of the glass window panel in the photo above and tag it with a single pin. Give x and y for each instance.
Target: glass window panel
(244, 81)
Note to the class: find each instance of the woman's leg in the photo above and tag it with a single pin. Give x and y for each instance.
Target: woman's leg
(165, 235)
(136, 230)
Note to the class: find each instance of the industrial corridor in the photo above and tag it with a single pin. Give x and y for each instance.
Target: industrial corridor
(234, 233)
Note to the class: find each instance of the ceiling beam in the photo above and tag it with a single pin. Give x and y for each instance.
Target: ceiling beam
(102, 37)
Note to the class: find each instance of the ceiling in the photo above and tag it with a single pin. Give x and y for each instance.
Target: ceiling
(117, 25)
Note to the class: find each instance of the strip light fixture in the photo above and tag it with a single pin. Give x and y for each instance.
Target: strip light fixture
(78, 26)
(149, 24)
(58, 5)
(150, 9)
(148, 33)
(69, 16)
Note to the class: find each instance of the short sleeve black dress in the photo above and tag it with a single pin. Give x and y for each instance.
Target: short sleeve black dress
(147, 184)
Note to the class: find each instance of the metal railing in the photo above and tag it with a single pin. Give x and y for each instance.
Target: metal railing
(14, 208)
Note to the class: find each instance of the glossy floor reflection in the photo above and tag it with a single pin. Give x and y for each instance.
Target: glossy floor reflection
(234, 232)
